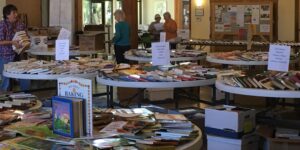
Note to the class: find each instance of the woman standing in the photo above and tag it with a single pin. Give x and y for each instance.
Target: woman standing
(122, 37)
(8, 27)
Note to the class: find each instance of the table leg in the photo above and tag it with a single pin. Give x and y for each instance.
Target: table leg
(107, 97)
(227, 98)
(111, 96)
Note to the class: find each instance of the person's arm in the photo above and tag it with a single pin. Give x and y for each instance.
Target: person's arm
(151, 28)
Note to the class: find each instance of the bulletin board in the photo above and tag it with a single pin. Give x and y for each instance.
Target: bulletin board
(236, 17)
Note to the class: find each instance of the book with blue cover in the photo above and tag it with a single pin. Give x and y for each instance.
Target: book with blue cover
(67, 118)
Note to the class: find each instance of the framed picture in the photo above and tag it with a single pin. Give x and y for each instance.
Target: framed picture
(199, 11)
(62, 116)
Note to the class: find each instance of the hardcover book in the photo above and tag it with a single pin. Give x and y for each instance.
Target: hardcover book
(67, 116)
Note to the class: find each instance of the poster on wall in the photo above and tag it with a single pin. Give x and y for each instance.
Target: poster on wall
(240, 15)
(255, 14)
(265, 12)
(264, 28)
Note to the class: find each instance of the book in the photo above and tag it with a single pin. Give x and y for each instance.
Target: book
(160, 116)
(67, 118)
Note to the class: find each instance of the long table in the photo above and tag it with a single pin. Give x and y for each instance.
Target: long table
(142, 85)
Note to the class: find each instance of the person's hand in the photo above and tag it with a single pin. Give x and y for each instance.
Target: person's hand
(16, 44)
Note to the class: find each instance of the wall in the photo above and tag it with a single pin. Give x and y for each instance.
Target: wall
(2, 4)
(200, 26)
(286, 21)
(30, 7)
(151, 7)
(62, 13)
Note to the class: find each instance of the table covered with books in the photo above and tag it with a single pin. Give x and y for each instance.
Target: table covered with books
(210, 42)
(51, 52)
(248, 58)
(51, 70)
(147, 76)
(27, 125)
(176, 55)
(267, 84)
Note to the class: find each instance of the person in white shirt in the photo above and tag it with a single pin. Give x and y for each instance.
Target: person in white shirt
(155, 28)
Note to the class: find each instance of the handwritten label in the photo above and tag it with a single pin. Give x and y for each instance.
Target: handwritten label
(279, 58)
(79, 88)
(160, 53)
(62, 51)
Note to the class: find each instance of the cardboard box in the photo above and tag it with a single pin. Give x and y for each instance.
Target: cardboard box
(159, 94)
(92, 40)
(272, 143)
(247, 142)
(128, 96)
(229, 121)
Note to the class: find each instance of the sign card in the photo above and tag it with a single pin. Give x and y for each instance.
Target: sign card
(279, 58)
(79, 88)
(160, 53)
(62, 51)
(162, 36)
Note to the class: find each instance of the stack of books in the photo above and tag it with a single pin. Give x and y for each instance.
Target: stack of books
(268, 80)
(23, 41)
(148, 73)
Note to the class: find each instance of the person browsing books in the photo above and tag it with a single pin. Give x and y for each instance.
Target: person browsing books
(170, 27)
(8, 27)
(122, 36)
(155, 28)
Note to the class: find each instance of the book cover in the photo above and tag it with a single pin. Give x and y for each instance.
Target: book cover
(62, 114)
(79, 88)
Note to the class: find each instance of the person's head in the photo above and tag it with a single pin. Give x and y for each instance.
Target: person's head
(167, 16)
(119, 15)
(10, 13)
(157, 18)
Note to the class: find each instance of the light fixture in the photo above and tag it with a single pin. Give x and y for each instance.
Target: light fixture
(199, 3)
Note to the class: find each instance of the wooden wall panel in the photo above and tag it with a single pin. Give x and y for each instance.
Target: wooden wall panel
(30, 7)
(130, 9)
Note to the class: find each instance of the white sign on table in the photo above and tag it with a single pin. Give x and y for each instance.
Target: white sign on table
(160, 53)
(62, 50)
(64, 34)
(79, 88)
(162, 36)
(279, 58)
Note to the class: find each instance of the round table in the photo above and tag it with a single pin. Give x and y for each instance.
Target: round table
(116, 83)
(46, 76)
(241, 62)
(195, 144)
(235, 62)
(52, 52)
(256, 92)
(173, 59)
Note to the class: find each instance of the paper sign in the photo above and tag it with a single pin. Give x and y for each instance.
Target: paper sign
(279, 58)
(160, 53)
(64, 34)
(184, 34)
(62, 50)
(79, 88)
(162, 36)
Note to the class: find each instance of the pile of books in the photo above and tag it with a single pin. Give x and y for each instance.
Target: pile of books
(174, 53)
(23, 41)
(17, 101)
(148, 73)
(76, 66)
(241, 56)
(237, 42)
(268, 80)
